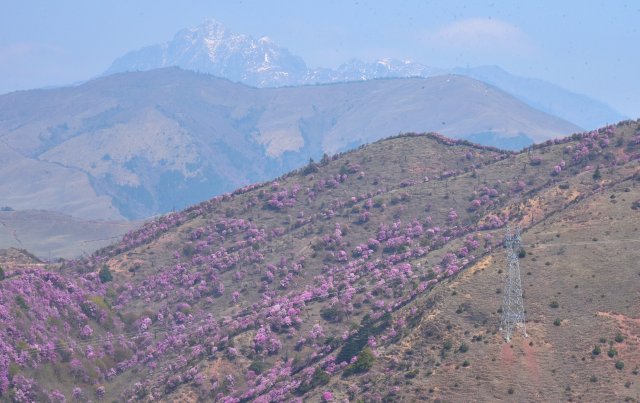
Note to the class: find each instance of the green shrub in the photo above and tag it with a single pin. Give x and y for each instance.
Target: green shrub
(319, 378)
(188, 250)
(353, 346)
(463, 348)
(14, 369)
(554, 304)
(102, 303)
(619, 338)
(596, 174)
(356, 342)
(363, 364)
(612, 352)
(2, 276)
(257, 366)
(105, 274)
(522, 253)
(596, 350)
(412, 374)
(310, 168)
(619, 365)
(121, 353)
(22, 303)
(447, 345)
(557, 322)
(465, 363)
(331, 314)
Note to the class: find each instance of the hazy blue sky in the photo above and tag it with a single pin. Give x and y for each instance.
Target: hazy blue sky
(591, 47)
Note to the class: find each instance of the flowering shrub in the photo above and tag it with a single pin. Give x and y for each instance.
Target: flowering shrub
(327, 396)
(452, 216)
(265, 341)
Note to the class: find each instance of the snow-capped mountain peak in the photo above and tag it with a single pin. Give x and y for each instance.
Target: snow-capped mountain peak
(212, 48)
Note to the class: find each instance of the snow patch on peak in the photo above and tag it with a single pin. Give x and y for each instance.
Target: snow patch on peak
(384, 62)
(211, 27)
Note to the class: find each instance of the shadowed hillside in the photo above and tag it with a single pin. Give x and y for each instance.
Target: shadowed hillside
(373, 275)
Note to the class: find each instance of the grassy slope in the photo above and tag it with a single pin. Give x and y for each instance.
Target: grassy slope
(435, 192)
(552, 367)
(583, 258)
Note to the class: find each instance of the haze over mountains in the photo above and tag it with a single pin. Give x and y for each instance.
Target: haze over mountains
(212, 48)
(147, 140)
(136, 144)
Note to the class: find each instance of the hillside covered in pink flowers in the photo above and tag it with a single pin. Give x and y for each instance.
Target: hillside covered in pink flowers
(298, 289)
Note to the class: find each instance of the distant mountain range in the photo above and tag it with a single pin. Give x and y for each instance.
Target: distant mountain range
(211, 48)
(553, 99)
(133, 145)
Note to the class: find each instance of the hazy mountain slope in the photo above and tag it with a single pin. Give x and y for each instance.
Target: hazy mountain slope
(212, 48)
(54, 235)
(553, 99)
(29, 183)
(269, 293)
(136, 144)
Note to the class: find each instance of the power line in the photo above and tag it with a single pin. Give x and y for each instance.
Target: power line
(585, 243)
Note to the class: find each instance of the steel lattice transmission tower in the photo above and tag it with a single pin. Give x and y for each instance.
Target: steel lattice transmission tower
(512, 304)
